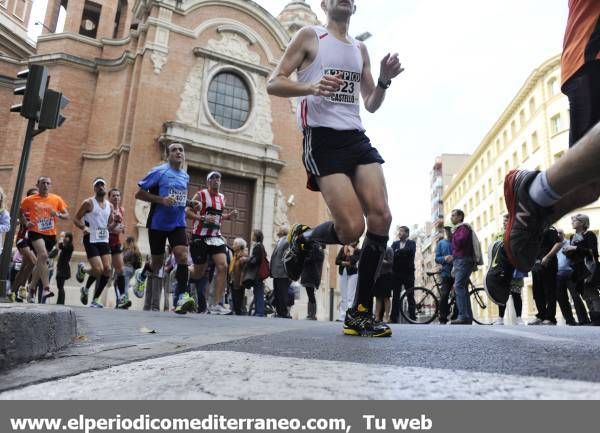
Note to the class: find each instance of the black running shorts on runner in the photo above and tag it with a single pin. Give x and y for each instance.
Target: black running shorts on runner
(328, 151)
(158, 239)
(49, 240)
(200, 250)
(116, 249)
(23, 243)
(98, 249)
(583, 91)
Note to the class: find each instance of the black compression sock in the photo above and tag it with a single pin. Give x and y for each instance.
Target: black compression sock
(100, 285)
(181, 275)
(369, 264)
(324, 233)
(90, 281)
(120, 282)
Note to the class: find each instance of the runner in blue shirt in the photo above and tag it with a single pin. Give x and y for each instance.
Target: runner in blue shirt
(165, 187)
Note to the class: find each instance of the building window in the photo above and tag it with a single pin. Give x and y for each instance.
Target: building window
(515, 159)
(535, 143)
(531, 106)
(524, 154)
(522, 118)
(490, 185)
(553, 86)
(555, 123)
(229, 100)
(558, 155)
(513, 129)
(506, 166)
(498, 148)
(90, 19)
(505, 138)
(499, 174)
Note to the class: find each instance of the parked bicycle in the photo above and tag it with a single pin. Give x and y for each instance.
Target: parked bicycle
(426, 306)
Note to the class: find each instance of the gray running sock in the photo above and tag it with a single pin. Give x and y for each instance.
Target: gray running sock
(369, 265)
(323, 233)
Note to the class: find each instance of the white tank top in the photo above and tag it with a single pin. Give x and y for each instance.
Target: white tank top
(341, 110)
(97, 222)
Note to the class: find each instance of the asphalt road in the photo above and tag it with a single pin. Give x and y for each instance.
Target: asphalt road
(200, 356)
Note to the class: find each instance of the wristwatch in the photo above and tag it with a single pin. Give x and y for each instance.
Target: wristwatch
(384, 84)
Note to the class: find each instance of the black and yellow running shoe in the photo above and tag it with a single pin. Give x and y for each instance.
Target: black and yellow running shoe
(293, 258)
(360, 322)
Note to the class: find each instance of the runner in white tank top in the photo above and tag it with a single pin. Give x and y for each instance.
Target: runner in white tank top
(95, 219)
(333, 70)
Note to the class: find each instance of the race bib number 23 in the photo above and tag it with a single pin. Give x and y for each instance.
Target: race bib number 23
(349, 90)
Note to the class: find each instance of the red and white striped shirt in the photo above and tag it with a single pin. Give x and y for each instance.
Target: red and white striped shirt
(210, 204)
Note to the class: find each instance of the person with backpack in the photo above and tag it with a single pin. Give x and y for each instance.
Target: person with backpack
(463, 262)
(254, 273)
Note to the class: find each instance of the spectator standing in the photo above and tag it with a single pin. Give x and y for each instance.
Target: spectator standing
(4, 219)
(404, 272)
(564, 284)
(544, 275)
(251, 277)
(583, 256)
(443, 257)
(347, 262)
(63, 267)
(311, 277)
(236, 270)
(383, 287)
(462, 266)
(281, 281)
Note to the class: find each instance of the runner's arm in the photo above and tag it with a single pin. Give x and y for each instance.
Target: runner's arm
(190, 213)
(300, 49)
(85, 207)
(373, 95)
(144, 195)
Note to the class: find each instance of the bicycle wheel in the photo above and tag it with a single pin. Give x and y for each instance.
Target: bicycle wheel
(484, 312)
(425, 308)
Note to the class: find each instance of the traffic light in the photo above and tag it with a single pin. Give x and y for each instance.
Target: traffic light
(50, 115)
(33, 91)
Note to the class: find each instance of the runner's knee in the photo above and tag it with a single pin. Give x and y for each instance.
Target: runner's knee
(350, 230)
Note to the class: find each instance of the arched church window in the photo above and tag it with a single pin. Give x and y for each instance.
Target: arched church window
(229, 100)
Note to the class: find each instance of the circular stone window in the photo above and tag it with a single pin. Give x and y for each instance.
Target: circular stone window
(229, 100)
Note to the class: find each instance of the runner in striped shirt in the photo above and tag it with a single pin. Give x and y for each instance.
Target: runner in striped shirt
(207, 239)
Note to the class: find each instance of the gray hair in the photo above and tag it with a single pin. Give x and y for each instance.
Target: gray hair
(239, 244)
(584, 219)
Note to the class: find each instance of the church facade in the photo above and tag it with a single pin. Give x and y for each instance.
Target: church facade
(141, 74)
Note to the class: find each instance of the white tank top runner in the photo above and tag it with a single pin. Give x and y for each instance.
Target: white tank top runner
(341, 110)
(97, 222)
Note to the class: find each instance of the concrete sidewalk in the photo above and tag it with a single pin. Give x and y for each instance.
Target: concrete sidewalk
(30, 331)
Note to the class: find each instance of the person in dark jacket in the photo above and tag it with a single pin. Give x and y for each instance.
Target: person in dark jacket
(404, 272)
(281, 282)
(545, 276)
(383, 287)
(443, 257)
(251, 278)
(583, 256)
(63, 268)
(347, 262)
(311, 276)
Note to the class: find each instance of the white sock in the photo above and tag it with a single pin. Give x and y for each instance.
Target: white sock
(541, 192)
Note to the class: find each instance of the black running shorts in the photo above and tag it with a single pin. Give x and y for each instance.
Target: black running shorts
(116, 249)
(49, 240)
(328, 151)
(98, 249)
(200, 249)
(583, 91)
(158, 239)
